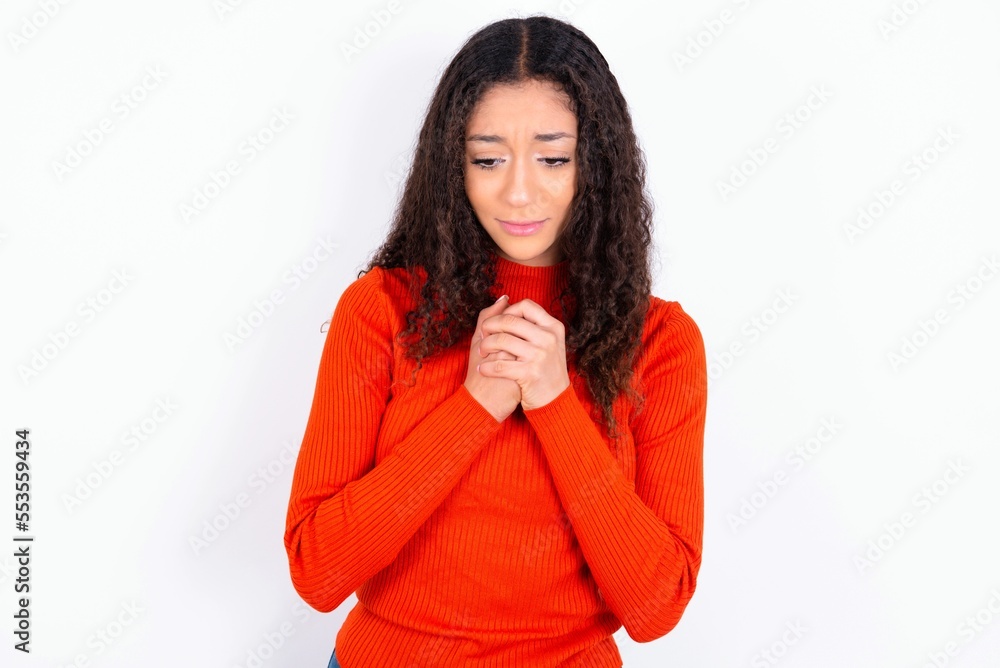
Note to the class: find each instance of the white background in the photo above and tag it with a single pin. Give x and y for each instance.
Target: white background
(170, 290)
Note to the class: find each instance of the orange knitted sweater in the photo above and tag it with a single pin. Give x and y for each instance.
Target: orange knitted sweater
(473, 542)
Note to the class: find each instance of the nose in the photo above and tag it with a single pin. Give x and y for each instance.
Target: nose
(520, 185)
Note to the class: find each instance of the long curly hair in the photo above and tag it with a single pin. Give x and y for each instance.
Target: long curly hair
(606, 238)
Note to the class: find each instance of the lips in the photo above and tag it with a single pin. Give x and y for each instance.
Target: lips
(522, 228)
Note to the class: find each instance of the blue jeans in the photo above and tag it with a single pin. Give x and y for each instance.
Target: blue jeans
(333, 660)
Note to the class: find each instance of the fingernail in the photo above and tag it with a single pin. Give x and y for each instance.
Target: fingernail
(501, 297)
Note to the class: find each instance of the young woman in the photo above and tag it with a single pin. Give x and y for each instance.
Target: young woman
(507, 482)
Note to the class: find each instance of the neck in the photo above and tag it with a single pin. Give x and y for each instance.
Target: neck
(539, 284)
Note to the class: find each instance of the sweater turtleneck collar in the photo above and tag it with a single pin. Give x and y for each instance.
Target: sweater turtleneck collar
(539, 284)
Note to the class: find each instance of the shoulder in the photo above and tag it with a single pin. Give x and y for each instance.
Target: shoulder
(396, 280)
(670, 334)
(364, 297)
(668, 318)
(382, 298)
(365, 287)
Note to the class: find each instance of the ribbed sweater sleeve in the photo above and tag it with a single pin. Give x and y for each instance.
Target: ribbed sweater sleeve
(643, 542)
(348, 518)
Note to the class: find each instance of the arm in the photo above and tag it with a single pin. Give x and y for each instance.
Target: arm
(642, 542)
(348, 519)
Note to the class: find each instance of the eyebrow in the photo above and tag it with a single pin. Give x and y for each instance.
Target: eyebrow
(546, 136)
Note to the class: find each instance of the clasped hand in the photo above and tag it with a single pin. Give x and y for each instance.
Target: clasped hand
(537, 341)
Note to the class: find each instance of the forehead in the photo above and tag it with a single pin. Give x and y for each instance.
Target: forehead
(523, 105)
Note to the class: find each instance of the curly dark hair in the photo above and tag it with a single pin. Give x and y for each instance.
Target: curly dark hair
(606, 238)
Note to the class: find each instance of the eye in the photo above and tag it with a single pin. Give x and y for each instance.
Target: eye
(552, 163)
(559, 162)
(481, 162)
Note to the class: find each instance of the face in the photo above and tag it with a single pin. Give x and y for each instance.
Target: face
(520, 167)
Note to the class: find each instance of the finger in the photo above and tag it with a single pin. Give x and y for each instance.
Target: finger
(510, 369)
(497, 307)
(513, 324)
(499, 354)
(530, 311)
(495, 355)
(507, 342)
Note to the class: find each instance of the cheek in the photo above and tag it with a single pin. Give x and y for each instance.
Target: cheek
(561, 188)
(472, 188)
(479, 190)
